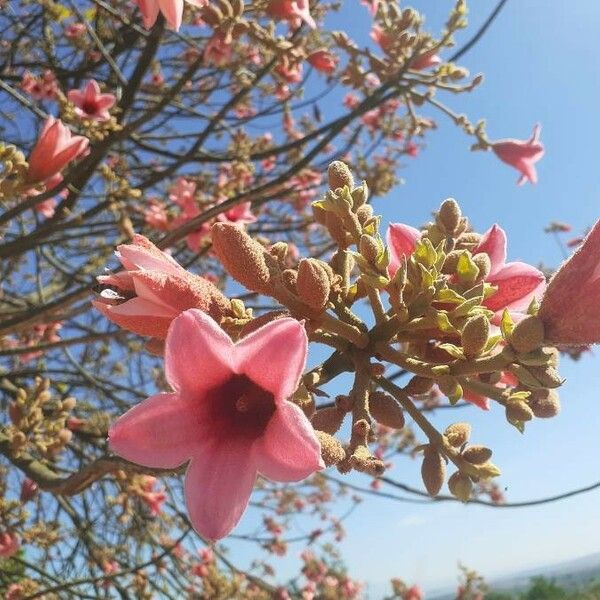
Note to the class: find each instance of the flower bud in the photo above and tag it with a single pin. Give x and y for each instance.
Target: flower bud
(449, 215)
(460, 486)
(64, 436)
(544, 403)
(328, 419)
(339, 175)
(69, 403)
(364, 213)
(243, 258)
(475, 335)
(450, 387)
(433, 470)
(528, 334)
(386, 410)
(29, 489)
(458, 434)
(15, 413)
(477, 455)
(332, 451)
(518, 410)
(313, 284)
(547, 376)
(369, 248)
(483, 263)
(417, 386)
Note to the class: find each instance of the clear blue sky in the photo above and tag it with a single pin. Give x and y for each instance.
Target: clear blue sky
(541, 64)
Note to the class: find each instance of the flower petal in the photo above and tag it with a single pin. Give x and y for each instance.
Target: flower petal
(518, 283)
(401, 241)
(198, 354)
(161, 432)
(493, 243)
(274, 356)
(218, 484)
(289, 449)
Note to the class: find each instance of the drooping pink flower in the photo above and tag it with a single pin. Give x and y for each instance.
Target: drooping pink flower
(521, 154)
(381, 38)
(55, 149)
(9, 544)
(241, 214)
(171, 9)
(29, 489)
(570, 307)
(425, 61)
(323, 60)
(218, 49)
(156, 215)
(229, 417)
(90, 103)
(517, 283)
(292, 11)
(153, 498)
(44, 87)
(153, 290)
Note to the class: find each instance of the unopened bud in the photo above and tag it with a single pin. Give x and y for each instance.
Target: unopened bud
(418, 386)
(433, 470)
(369, 247)
(69, 403)
(518, 410)
(328, 419)
(386, 410)
(332, 451)
(289, 277)
(460, 486)
(450, 387)
(360, 195)
(545, 404)
(475, 335)
(477, 455)
(243, 258)
(313, 283)
(458, 434)
(449, 215)
(484, 264)
(339, 175)
(547, 376)
(65, 436)
(15, 413)
(364, 213)
(528, 334)
(29, 489)
(451, 262)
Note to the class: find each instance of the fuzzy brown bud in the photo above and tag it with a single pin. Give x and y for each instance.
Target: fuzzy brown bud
(243, 258)
(460, 486)
(69, 403)
(477, 455)
(547, 376)
(450, 387)
(313, 283)
(328, 419)
(417, 386)
(475, 335)
(483, 263)
(518, 410)
(386, 410)
(433, 470)
(449, 215)
(458, 434)
(528, 334)
(545, 404)
(332, 451)
(368, 247)
(364, 213)
(339, 175)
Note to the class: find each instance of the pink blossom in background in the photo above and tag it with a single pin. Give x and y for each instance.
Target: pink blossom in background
(171, 9)
(74, 30)
(153, 289)
(153, 498)
(44, 87)
(155, 215)
(55, 149)
(229, 417)
(323, 60)
(90, 103)
(382, 39)
(521, 154)
(425, 61)
(218, 49)
(240, 214)
(292, 11)
(570, 307)
(9, 544)
(29, 490)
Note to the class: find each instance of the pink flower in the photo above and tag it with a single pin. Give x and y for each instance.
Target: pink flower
(218, 49)
(153, 290)
(517, 283)
(381, 38)
(74, 30)
(9, 544)
(171, 9)
(228, 416)
(413, 593)
(292, 11)
(54, 150)
(156, 215)
(323, 60)
(521, 154)
(240, 214)
(429, 59)
(153, 498)
(29, 489)
(570, 307)
(90, 103)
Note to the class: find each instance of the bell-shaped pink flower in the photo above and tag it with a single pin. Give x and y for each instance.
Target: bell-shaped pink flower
(401, 241)
(153, 290)
(425, 61)
(292, 11)
(521, 154)
(9, 544)
(323, 61)
(570, 307)
(90, 103)
(171, 9)
(55, 149)
(229, 417)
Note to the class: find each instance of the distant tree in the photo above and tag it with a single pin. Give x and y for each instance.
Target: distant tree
(544, 589)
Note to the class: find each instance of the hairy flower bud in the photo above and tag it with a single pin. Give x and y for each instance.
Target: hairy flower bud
(364, 213)
(433, 470)
(339, 175)
(483, 263)
(458, 434)
(328, 419)
(417, 386)
(243, 258)
(369, 247)
(528, 334)
(545, 404)
(450, 387)
(476, 455)
(460, 486)
(518, 410)
(451, 262)
(332, 451)
(475, 335)
(386, 410)
(547, 376)
(313, 284)
(449, 215)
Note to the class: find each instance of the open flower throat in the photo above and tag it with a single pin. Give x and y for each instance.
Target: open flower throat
(240, 407)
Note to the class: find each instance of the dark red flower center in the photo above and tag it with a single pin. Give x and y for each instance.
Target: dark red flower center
(240, 407)
(89, 107)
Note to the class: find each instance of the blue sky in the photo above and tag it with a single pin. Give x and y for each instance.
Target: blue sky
(541, 65)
